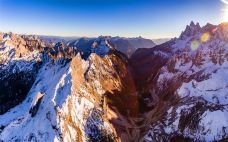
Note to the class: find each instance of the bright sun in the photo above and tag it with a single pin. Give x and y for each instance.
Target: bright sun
(225, 11)
(225, 15)
(225, 1)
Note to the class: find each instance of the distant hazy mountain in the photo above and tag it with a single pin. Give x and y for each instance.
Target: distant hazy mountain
(56, 39)
(125, 45)
(160, 40)
(130, 45)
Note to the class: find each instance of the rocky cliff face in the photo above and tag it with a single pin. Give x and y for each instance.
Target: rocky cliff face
(87, 90)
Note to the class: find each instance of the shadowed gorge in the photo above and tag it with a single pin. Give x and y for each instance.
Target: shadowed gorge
(18, 85)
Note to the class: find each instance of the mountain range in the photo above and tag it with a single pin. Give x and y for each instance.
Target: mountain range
(114, 88)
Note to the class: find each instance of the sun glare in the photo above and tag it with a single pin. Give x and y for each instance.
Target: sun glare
(205, 37)
(225, 14)
(225, 1)
(194, 45)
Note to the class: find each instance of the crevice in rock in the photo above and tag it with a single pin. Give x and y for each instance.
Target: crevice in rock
(34, 109)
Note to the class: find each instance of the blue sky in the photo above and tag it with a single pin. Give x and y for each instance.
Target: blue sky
(129, 18)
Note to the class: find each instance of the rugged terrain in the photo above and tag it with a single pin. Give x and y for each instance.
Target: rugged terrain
(189, 87)
(115, 89)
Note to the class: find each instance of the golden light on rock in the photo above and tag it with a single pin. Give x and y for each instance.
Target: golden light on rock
(205, 37)
(195, 45)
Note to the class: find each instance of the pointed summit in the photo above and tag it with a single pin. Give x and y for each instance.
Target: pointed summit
(190, 30)
(192, 24)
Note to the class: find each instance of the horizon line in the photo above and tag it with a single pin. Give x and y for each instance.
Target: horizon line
(75, 36)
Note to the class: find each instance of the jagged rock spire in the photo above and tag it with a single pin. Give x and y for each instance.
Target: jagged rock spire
(190, 30)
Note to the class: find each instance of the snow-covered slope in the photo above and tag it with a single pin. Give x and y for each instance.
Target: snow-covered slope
(193, 85)
(18, 68)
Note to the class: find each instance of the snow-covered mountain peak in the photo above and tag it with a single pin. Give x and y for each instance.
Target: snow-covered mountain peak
(6, 36)
(190, 30)
(187, 85)
(101, 46)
